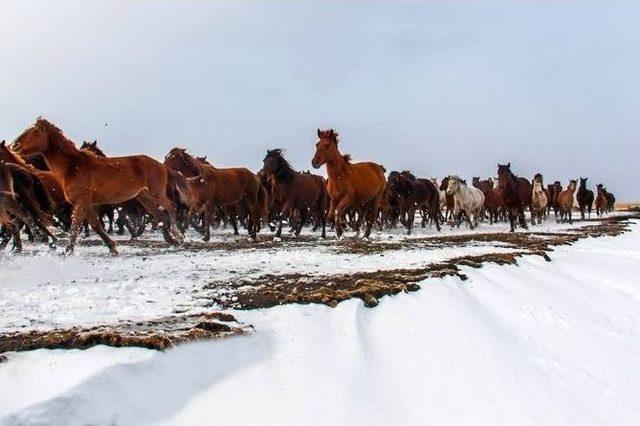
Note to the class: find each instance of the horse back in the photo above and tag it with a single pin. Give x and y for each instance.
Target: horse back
(367, 180)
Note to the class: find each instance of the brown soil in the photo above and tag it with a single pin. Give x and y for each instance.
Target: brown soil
(160, 334)
(272, 290)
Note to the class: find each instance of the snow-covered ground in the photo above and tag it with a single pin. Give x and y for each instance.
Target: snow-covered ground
(539, 343)
(43, 289)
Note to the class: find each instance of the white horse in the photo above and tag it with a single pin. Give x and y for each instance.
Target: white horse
(469, 200)
(538, 203)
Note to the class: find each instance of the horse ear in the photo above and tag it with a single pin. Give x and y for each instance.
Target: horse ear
(319, 133)
(509, 164)
(95, 143)
(3, 143)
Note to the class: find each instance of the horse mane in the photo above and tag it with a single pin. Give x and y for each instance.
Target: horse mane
(346, 157)
(65, 144)
(285, 172)
(408, 175)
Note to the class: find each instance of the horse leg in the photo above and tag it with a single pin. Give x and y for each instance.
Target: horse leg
(96, 225)
(206, 222)
(153, 207)
(411, 214)
(77, 219)
(339, 215)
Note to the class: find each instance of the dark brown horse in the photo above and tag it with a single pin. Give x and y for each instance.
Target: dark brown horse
(516, 195)
(584, 197)
(60, 207)
(91, 181)
(297, 193)
(24, 201)
(416, 195)
(358, 186)
(611, 200)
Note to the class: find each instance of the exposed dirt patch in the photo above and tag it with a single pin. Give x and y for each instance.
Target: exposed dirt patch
(272, 290)
(159, 334)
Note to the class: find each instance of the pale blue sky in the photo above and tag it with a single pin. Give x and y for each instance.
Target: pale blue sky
(435, 87)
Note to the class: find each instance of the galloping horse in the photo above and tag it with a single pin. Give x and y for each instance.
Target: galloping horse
(584, 197)
(60, 207)
(226, 187)
(611, 200)
(357, 186)
(91, 181)
(601, 200)
(516, 194)
(23, 198)
(297, 193)
(419, 194)
(469, 200)
(539, 202)
(565, 201)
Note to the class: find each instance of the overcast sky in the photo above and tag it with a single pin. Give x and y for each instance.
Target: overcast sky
(438, 87)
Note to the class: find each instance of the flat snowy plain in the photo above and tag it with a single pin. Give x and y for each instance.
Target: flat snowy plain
(538, 343)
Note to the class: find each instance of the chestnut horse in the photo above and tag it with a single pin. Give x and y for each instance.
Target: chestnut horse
(358, 186)
(565, 202)
(516, 195)
(226, 187)
(601, 200)
(297, 192)
(91, 181)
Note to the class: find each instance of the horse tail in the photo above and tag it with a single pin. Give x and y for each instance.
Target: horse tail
(263, 200)
(42, 195)
(31, 194)
(178, 189)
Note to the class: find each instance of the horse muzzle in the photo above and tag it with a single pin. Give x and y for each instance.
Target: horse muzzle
(315, 164)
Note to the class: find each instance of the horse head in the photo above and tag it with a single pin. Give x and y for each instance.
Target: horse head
(506, 178)
(178, 159)
(326, 148)
(583, 182)
(36, 139)
(454, 184)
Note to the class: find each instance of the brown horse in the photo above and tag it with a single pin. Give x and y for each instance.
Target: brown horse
(297, 193)
(60, 207)
(565, 201)
(492, 197)
(91, 181)
(357, 186)
(601, 200)
(27, 200)
(235, 187)
(516, 195)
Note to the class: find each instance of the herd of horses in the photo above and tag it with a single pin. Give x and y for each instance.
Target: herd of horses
(46, 181)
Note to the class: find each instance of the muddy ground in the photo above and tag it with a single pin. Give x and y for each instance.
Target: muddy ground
(270, 290)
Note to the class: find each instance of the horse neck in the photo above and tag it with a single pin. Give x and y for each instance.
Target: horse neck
(61, 155)
(337, 166)
(285, 174)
